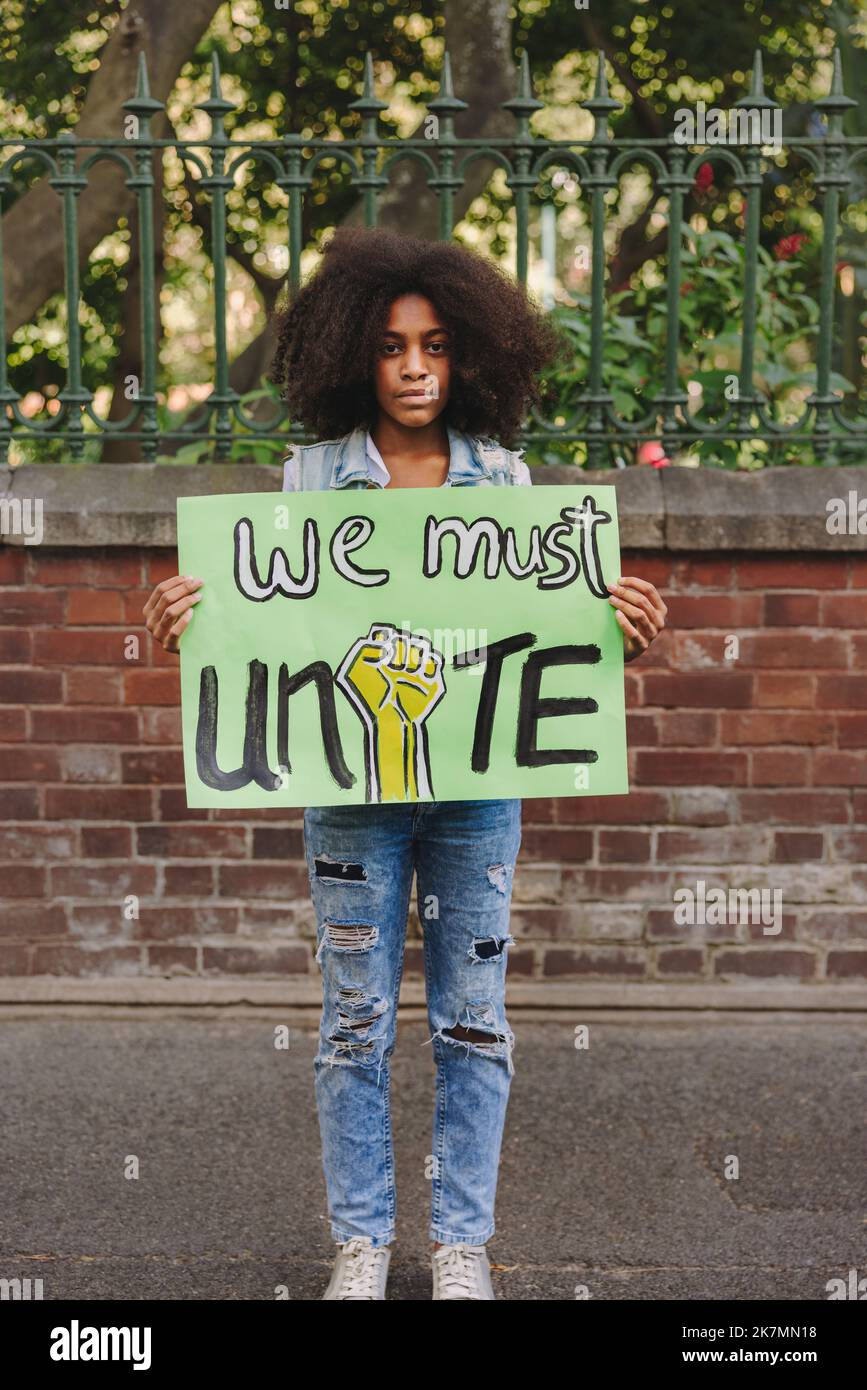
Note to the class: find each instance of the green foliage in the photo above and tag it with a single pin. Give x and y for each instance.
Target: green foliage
(709, 349)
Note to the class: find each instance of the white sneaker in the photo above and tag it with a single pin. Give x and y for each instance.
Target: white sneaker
(360, 1271)
(461, 1271)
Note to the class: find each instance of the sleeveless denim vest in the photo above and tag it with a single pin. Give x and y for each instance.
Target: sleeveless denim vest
(331, 463)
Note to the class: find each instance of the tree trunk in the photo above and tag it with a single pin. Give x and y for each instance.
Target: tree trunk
(33, 228)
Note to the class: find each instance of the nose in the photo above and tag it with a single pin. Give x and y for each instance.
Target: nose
(414, 364)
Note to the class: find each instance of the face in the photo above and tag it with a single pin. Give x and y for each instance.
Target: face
(413, 362)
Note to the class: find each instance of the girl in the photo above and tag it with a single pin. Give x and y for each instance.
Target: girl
(405, 357)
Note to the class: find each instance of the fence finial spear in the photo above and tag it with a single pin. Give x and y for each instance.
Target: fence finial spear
(756, 96)
(524, 104)
(836, 102)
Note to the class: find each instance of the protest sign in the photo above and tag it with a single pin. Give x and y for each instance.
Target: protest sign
(412, 644)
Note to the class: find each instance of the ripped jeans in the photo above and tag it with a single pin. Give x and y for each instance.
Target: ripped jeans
(360, 861)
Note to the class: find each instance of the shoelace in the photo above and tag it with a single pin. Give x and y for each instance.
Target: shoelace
(459, 1267)
(360, 1274)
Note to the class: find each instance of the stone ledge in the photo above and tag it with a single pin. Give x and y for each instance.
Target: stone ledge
(676, 509)
(306, 993)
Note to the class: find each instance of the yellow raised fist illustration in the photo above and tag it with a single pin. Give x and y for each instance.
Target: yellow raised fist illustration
(393, 679)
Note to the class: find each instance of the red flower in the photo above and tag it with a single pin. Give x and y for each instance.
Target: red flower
(652, 453)
(703, 178)
(789, 246)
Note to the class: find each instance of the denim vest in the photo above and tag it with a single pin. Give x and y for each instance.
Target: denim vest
(344, 463)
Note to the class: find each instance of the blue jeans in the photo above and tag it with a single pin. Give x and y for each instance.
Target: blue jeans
(360, 861)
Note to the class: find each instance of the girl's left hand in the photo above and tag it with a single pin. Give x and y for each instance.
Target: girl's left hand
(640, 612)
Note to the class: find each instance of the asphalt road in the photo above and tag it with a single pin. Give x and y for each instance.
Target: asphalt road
(613, 1174)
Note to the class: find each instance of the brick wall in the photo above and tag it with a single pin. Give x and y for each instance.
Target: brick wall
(747, 772)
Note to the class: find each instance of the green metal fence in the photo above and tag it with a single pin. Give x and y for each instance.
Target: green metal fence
(370, 157)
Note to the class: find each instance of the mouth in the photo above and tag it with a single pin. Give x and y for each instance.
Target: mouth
(411, 395)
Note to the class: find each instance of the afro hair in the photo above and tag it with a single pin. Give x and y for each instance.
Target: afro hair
(329, 334)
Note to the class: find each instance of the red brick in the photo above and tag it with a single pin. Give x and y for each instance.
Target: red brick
(85, 725)
(697, 728)
(32, 606)
(98, 803)
(795, 649)
(36, 843)
(539, 810)
(19, 803)
(721, 689)
(833, 769)
(760, 728)
(112, 880)
(172, 806)
(26, 881)
(172, 960)
(841, 925)
(240, 960)
(192, 841)
(731, 612)
(14, 957)
(844, 610)
(842, 965)
(782, 808)
(716, 572)
(858, 572)
(263, 880)
(27, 920)
(106, 841)
(278, 842)
(641, 731)
(75, 568)
(841, 692)
(16, 646)
(622, 963)
(82, 961)
(713, 845)
(776, 572)
(143, 687)
(97, 687)
(765, 964)
(680, 960)
(95, 606)
(674, 767)
(567, 845)
(851, 730)
(164, 922)
(22, 762)
(796, 846)
(161, 725)
(163, 765)
(624, 884)
(661, 926)
(13, 724)
(81, 646)
(638, 808)
(783, 767)
(28, 687)
(785, 690)
(624, 846)
(13, 564)
(189, 880)
(134, 601)
(159, 565)
(656, 569)
(791, 610)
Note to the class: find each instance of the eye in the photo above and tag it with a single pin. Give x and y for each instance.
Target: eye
(439, 347)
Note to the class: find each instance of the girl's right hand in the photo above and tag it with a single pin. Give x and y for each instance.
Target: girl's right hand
(170, 607)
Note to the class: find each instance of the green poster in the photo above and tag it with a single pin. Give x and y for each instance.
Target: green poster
(408, 644)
